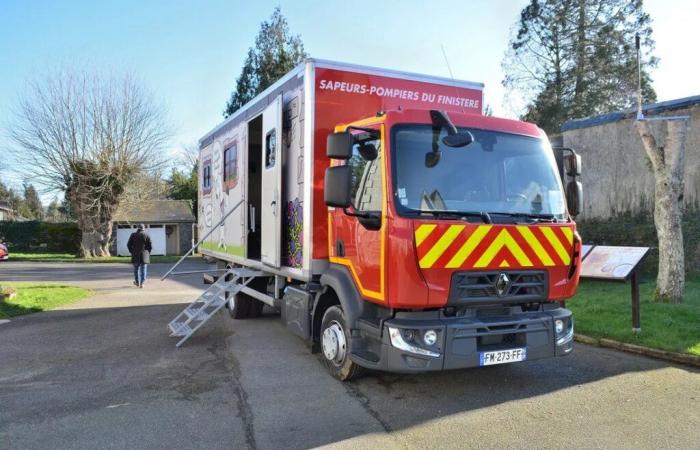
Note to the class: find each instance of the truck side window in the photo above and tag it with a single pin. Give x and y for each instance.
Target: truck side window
(206, 176)
(366, 165)
(231, 165)
(270, 149)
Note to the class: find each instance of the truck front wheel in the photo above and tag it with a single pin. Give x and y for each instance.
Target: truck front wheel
(335, 350)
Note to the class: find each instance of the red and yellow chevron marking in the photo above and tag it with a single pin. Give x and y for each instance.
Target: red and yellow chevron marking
(492, 246)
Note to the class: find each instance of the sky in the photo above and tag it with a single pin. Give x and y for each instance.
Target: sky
(189, 53)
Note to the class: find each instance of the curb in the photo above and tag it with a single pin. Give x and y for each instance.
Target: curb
(678, 358)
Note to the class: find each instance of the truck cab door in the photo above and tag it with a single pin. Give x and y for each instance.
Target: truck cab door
(354, 244)
(271, 201)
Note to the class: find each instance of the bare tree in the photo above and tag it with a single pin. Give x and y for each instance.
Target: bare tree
(667, 161)
(189, 155)
(146, 186)
(87, 135)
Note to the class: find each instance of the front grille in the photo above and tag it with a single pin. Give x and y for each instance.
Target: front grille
(502, 286)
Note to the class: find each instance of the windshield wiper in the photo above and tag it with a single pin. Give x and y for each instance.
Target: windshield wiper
(534, 217)
(461, 215)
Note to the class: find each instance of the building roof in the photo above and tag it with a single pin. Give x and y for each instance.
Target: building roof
(154, 211)
(650, 109)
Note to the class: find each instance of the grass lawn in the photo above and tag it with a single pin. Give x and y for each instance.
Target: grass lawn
(68, 257)
(604, 310)
(34, 297)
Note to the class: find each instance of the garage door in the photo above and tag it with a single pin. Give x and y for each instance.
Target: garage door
(156, 232)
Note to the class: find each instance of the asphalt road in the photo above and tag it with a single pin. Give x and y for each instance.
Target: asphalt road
(103, 373)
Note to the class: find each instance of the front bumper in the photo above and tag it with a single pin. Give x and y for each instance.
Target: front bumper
(461, 340)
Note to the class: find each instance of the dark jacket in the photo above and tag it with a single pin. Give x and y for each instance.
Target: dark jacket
(139, 246)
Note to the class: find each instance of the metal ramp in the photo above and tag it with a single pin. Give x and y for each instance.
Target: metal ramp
(212, 300)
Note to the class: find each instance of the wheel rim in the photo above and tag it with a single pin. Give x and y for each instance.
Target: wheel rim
(231, 297)
(231, 302)
(333, 343)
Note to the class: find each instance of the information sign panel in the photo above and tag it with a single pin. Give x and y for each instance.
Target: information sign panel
(612, 263)
(585, 250)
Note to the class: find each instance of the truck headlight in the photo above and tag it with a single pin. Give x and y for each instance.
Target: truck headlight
(430, 338)
(564, 331)
(559, 326)
(398, 341)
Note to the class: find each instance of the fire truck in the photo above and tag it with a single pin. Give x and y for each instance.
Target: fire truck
(392, 224)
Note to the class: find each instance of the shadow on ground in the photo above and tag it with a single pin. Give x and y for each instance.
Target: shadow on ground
(87, 376)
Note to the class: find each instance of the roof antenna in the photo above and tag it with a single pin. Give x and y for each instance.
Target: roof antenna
(451, 76)
(640, 115)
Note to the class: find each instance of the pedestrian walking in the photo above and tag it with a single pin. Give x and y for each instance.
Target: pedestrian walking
(139, 246)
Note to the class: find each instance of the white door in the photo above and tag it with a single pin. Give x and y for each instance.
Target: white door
(156, 232)
(122, 238)
(158, 240)
(271, 208)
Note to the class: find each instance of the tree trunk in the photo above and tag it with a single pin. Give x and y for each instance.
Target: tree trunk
(94, 221)
(667, 163)
(581, 63)
(96, 243)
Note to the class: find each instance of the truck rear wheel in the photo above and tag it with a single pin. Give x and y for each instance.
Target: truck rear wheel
(238, 306)
(335, 349)
(256, 307)
(243, 306)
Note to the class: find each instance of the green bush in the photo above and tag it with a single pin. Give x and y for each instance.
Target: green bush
(40, 236)
(640, 232)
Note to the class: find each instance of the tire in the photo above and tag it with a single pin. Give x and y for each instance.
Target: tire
(256, 307)
(335, 351)
(239, 306)
(243, 306)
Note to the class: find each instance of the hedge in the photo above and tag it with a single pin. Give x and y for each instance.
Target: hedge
(41, 236)
(640, 232)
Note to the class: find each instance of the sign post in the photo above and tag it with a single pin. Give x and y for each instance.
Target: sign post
(636, 319)
(619, 264)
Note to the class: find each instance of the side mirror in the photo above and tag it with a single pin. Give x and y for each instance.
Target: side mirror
(432, 159)
(337, 186)
(568, 162)
(458, 140)
(572, 164)
(339, 145)
(574, 197)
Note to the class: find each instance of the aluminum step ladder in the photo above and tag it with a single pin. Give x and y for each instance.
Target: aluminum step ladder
(210, 302)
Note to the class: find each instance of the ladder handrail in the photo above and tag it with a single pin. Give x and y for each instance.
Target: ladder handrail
(202, 239)
(190, 272)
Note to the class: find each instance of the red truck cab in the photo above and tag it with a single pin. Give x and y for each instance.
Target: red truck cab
(455, 232)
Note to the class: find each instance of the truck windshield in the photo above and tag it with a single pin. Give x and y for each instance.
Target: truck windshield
(499, 174)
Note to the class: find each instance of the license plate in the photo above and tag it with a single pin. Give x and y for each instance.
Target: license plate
(502, 356)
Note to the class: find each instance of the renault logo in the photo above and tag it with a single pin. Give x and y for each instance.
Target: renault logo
(502, 284)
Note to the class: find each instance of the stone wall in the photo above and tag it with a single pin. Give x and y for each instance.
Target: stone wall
(185, 237)
(617, 176)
